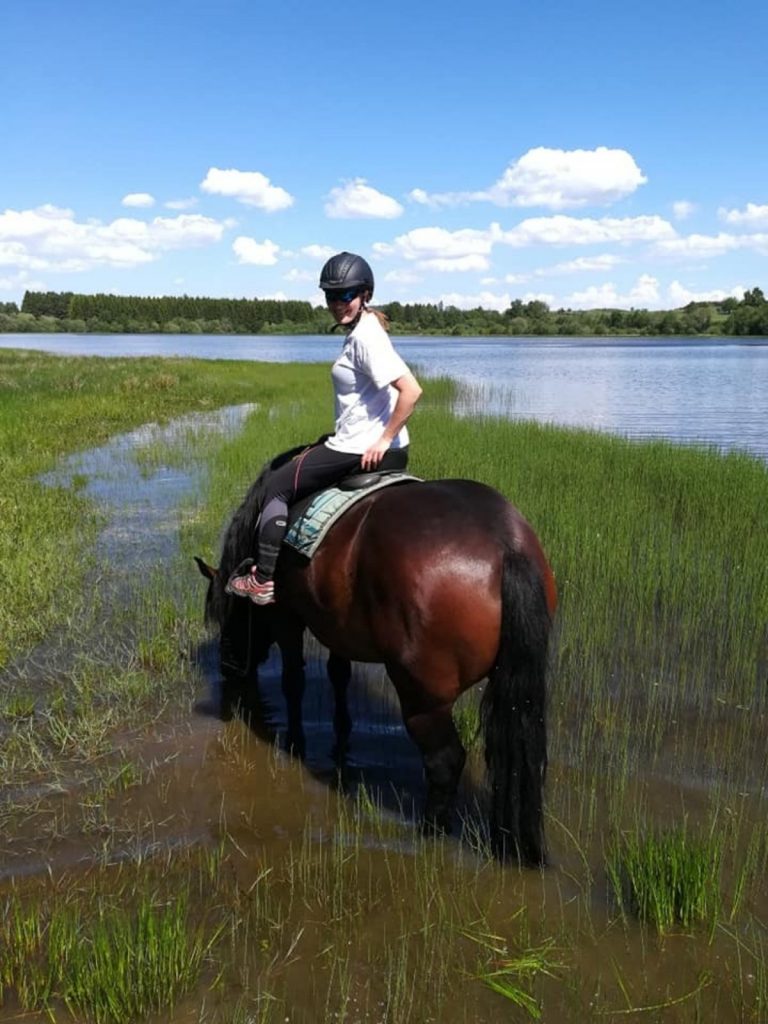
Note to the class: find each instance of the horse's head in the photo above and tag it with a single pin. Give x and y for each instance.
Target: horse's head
(245, 631)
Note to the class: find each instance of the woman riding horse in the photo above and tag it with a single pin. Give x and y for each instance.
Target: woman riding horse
(443, 582)
(375, 394)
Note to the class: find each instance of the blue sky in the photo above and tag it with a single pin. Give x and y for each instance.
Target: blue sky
(588, 154)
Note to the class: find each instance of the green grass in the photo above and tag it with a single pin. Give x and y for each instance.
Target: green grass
(657, 716)
(511, 974)
(51, 406)
(101, 961)
(669, 880)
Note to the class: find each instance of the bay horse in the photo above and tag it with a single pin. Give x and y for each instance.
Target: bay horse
(445, 584)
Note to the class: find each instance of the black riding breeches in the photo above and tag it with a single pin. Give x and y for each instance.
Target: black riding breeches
(314, 469)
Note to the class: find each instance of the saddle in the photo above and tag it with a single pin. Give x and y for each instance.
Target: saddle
(310, 519)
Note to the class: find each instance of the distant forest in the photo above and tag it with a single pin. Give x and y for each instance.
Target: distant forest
(118, 314)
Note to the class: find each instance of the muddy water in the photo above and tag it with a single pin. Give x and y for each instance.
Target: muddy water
(140, 494)
(198, 783)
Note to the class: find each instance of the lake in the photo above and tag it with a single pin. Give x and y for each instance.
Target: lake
(712, 391)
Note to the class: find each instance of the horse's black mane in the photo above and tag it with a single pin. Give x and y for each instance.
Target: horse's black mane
(240, 537)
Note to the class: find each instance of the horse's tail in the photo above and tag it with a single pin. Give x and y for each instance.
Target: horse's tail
(513, 714)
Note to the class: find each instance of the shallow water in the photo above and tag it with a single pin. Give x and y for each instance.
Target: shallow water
(141, 501)
(140, 487)
(205, 783)
(142, 504)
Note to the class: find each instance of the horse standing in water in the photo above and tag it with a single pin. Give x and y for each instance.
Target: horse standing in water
(446, 584)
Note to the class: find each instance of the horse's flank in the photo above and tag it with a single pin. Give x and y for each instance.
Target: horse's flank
(412, 571)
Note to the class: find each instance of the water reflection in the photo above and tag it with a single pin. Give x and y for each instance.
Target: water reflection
(712, 391)
(142, 503)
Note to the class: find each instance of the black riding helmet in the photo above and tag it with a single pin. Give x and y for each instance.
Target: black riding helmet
(346, 270)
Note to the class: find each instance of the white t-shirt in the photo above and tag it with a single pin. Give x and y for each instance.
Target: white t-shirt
(362, 378)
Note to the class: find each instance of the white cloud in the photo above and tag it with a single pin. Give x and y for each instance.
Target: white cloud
(555, 178)
(249, 187)
(679, 295)
(559, 178)
(752, 216)
(564, 230)
(458, 263)
(469, 249)
(260, 254)
(181, 204)
(17, 254)
(20, 281)
(51, 238)
(579, 265)
(317, 252)
(138, 199)
(484, 299)
(182, 232)
(436, 200)
(682, 209)
(643, 294)
(402, 277)
(295, 274)
(706, 246)
(357, 199)
(426, 246)
(582, 264)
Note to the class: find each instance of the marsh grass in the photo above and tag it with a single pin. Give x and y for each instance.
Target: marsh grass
(45, 533)
(658, 714)
(660, 657)
(107, 963)
(669, 880)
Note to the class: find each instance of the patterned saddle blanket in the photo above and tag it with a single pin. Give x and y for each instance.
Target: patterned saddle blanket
(311, 519)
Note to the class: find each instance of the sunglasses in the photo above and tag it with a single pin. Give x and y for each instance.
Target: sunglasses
(341, 294)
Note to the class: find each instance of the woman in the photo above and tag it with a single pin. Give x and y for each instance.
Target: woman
(375, 393)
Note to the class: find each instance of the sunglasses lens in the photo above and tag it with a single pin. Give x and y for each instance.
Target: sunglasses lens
(341, 294)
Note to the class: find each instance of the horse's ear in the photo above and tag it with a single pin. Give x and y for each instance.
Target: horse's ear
(207, 570)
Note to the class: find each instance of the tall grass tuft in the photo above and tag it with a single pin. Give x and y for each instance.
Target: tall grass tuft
(115, 967)
(669, 880)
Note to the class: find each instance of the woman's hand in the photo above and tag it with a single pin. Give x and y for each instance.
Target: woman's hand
(408, 393)
(371, 458)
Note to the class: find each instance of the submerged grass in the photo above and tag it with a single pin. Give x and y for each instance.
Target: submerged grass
(658, 715)
(511, 974)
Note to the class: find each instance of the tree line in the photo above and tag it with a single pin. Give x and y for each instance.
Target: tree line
(121, 314)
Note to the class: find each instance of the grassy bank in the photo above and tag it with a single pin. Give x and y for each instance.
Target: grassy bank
(51, 406)
(200, 875)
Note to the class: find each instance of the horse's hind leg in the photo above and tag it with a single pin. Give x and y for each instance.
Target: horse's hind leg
(431, 727)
